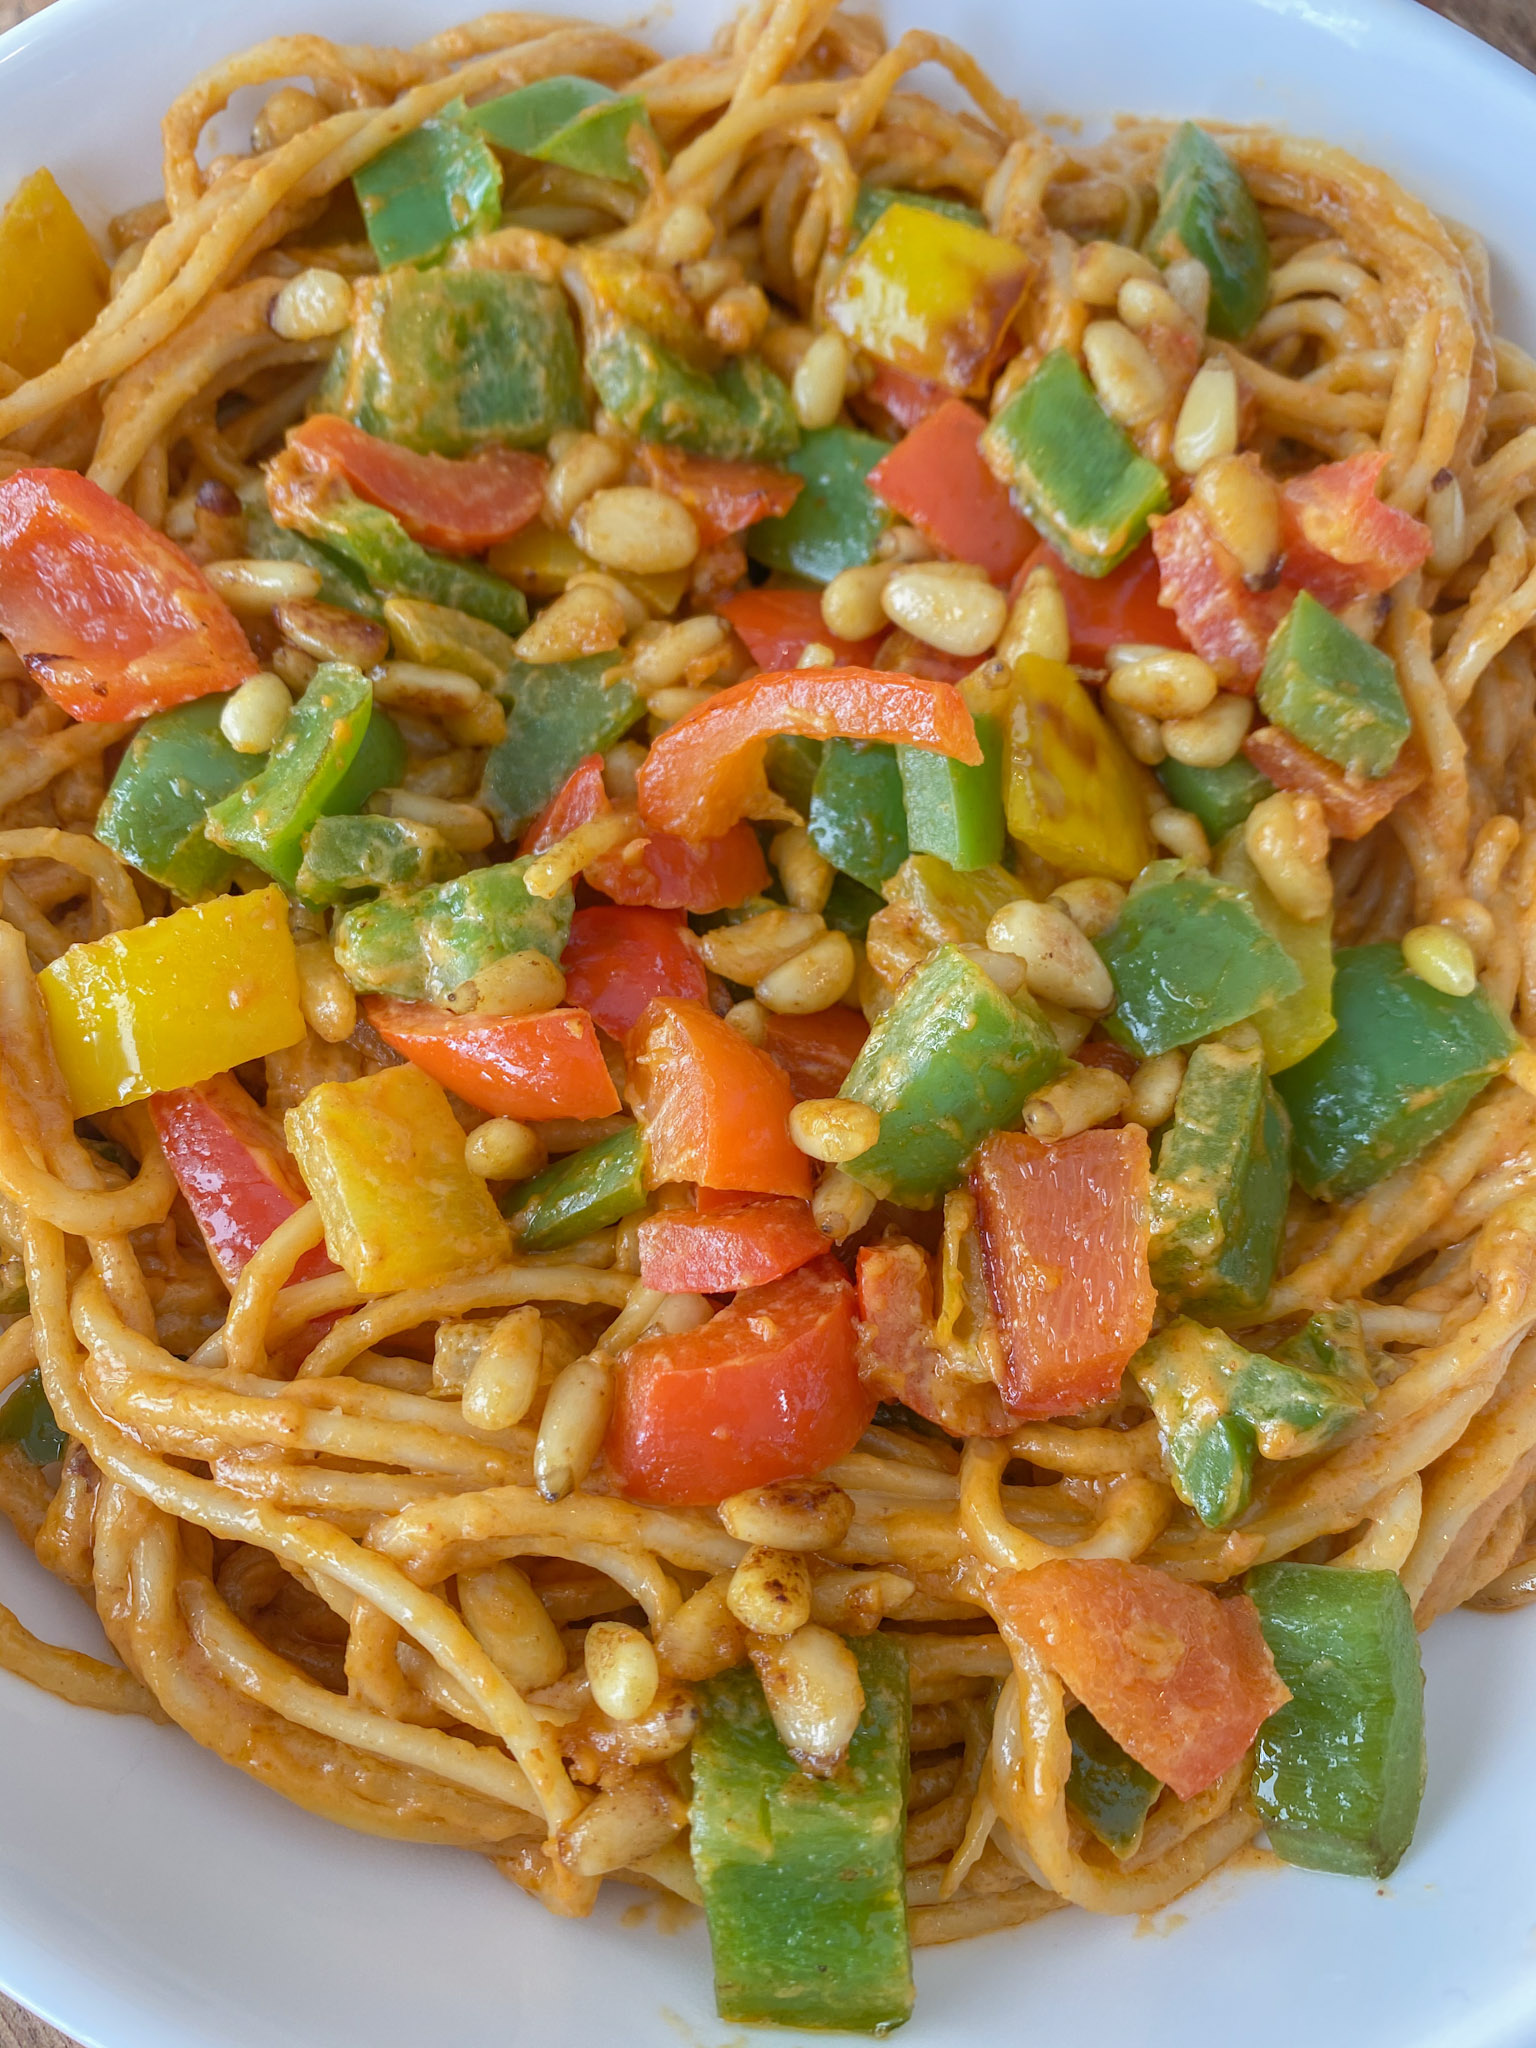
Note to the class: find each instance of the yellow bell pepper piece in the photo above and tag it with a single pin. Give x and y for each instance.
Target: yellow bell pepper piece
(1071, 791)
(930, 295)
(384, 1159)
(541, 562)
(175, 1002)
(1298, 1023)
(53, 280)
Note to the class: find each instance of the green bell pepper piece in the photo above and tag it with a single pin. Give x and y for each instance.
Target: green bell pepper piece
(267, 818)
(349, 857)
(379, 763)
(929, 904)
(1189, 1375)
(440, 637)
(1297, 1024)
(1218, 1197)
(1207, 210)
(450, 361)
(1110, 1790)
(1333, 691)
(1189, 956)
(1076, 475)
(341, 583)
(27, 1420)
(874, 199)
(1310, 1388)
(951, 1060)
(438, 185)
(858, 821)
(426, 943)
(742, 414)
(571, 121)
(850, 907)
(13, 1287)
(836, 522)
(395, 564)
(953, 810)
(1404, 1063)
(1220, 798)
(558, 712)
(156, 811)
(1333, 1342)
(803, 1878)
(588, 1190)
(1339, 1770)
(791, 763)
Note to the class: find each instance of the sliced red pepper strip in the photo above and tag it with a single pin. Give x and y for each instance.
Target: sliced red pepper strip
(547, 1064)
(706, 772)
(617, 959)
(1352, 805)
(778, 625)
(111, 618)
(724, 497)
(669, 873)
(1117, 610)
(935, 478)
(717, 1251)
(462, 506)
(816, 1051)
(767, 1390)
(899, 1357)
(715, 1109)
(578, 800)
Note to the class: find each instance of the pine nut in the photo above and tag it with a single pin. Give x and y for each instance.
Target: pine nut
(685, 235)
(807, 875)
(1442, 958)
(1059, 962)
(561, 863)
(904, 544)
(505, 1377)
(703, 1636)
(310, 306)
(816, 654)
(747, 951)
(254, 715)
(1242, 508)
(1445, 514)
(815, 1697)
(770, 1592)
(850, 604)
(504, 1149)
(790, 1514)
(854, 1603)
(286, 113)
(736, 319)
(1207, 426)
(1145, 303)
(1287, 840)
(1190, 283)
(293, 667)
(586, 620)
(814, 980)
(636, 612)
(679, 1313)
(1038, 622)
(1077, 1102)
(751, 1020)
(948, 605)
(621, 1670)
(468, 715)
(666, 656)
(1131, 388)
(708, 277)
(330, 633)
(517, 985)
(1182, 833)
(1002, 969)
(841, 1205)
(252, 586)
(1143, 736)
(621, 771)
(571, 1428)
(511, 1624)
(1167, 684)
(325, 995)
(820, 381)
(634, 528)
(1092, 902)
(1155, 1089)
(586, 464)
(668, 706)
(454, 1351)
(1100, 269)
(466, 827)
(629, 1820)
(833, 1129)
(1212, 737)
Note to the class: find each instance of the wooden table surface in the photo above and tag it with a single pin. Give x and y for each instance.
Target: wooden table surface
(1511, 24)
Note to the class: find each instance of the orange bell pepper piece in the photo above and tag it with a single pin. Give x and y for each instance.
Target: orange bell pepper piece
(715, 1109)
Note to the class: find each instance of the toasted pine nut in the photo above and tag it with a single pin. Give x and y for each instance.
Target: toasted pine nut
(1212, 737)
(816, 654)
(621, 1668)
(586, 464)
(770, 1592)
(820, 381)
(511, 1624)
(1440, 957)
(468, 714)
(851, 1602)
(751, 1020)
(1445, 514)
(850, 604)
(561, 863)
(1155, 1088)
(1145, 303)
(1287, 840)
(1001, 968)
(325, 994)
(454, 1351)
(293, 667)
(1207, 424)
(1059, 962)
(1038, 622)
(947, 605)
(1099, 269)
(629, 1820)
(586, 620)
(1242, 508)
(747, 951)
(284, 114)
(465, 826)
(669, 705)
(505, 1377)
(254, 715)
(708, 277)
(1143, 736)
(1166, 683)
(736, 319)
(807, 875)
(621, 771)
(504, 1149)
(841, 1205)
(330, 633)
(571, 1428)
(634, 528)
(813, 980)
(680, 1313)
(1182, 833)
(814, 1694)
(310, 306)
(790, 1514)
(900, 544)
(834, 1128)
(703, 1636)
(1131, 388)
(666, 656)
(1092, 902)
(685, 235)
(517, 985)
(253, 586)
(1190, 283)
(1077, 1102)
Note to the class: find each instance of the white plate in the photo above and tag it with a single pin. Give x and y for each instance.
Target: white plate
(150, 1898)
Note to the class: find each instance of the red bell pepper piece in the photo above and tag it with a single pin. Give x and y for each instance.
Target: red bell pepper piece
(767, 1390)
(907, 399)
(1181, 1680)
(1064, 1228)
(462, 506)
(234, 1170)
(899, 1356)
(717, 1251)
(715, 1109)
(578, 800)
(935, 478)
(546, 1064)
(778, 625)
(710, 1201)
(724, 497)
(1352, 805)
(669, 873)
(817, 1051)
(616, 960)
(1225, 622)
(1341, 541)
(1118, 610)
(902, 654)
(706, 772)
(111, 618)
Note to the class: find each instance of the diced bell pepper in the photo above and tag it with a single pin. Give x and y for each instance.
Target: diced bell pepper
(571, 121)
(836, 521)
(53, 278)
(437, 185)
(1352, 804)
(346, 858)
(936, 478)
(1109, 1789)
(928, 905)
(425, 944)
(1071, 792)
(342, 583)
(438, 636)
(266, 819)
(174, 767)
(874, 199)
(1298, 1024)
(715, 1108)
(557, 713)
(740, 414)
(953, 810)
(1206, 210)
(546, 1063)
(27, 1421)
(586, 1191)
(1334, 692)
(858, 819)
(1220, 798)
